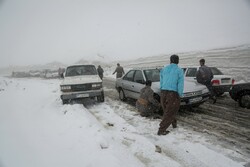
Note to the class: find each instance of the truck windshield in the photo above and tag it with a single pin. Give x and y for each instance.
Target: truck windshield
(81, 70)
(152, 74)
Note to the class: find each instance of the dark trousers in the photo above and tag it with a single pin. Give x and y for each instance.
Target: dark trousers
(170, 102)
(210, 88)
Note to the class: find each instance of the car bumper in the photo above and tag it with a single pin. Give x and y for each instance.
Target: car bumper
(222, 88)
(82, 94)
(194, 101)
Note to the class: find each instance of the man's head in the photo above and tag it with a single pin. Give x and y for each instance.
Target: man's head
(174, 59)
(148, 83)
(118, 64)
(202, 62)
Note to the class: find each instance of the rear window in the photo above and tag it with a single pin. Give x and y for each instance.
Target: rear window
(216, 71)
(81, 70)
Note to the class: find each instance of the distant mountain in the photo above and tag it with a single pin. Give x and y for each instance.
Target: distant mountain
(229, 57)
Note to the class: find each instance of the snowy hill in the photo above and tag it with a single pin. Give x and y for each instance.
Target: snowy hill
(232, 61)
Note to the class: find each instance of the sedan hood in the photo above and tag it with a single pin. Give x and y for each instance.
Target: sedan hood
(83, 79)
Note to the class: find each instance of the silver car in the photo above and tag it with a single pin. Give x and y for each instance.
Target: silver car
(133, 81)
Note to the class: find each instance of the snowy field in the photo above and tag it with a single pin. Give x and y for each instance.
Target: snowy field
(36, 130)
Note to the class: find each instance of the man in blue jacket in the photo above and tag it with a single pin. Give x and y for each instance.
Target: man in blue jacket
(171, 85)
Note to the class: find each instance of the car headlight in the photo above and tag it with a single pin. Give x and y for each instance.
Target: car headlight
(205, 91)
(65, 87)
(97, 85)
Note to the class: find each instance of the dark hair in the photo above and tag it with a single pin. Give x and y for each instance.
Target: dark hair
(148, 83)
(118, 64)
(202, 61)
(174, 59)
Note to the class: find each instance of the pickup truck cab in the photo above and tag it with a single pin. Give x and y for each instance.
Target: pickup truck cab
(221, 83)
(81, 81)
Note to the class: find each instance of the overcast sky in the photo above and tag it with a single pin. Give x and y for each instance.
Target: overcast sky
(42, 31)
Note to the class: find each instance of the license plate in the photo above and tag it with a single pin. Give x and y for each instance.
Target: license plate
(225, 80)
(82, 95)
(194, 100)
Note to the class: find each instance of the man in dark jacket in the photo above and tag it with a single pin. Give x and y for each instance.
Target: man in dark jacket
(119, 71)
(204, 76)
(147, 105)
(100, 71)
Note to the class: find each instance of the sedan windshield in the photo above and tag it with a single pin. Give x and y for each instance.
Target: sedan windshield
(81, 70)
(152, 74)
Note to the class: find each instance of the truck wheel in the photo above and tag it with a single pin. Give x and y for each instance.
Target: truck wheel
(122, 95)
(101, 98)
(244, 100)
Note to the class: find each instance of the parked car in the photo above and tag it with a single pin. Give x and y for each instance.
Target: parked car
(133, 81)
(221, 83)
(241, 93)
(81, 81)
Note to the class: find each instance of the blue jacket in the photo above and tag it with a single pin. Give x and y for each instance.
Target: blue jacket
(172, 78)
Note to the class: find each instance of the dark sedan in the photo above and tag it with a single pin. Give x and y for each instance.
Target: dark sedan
(241, 93)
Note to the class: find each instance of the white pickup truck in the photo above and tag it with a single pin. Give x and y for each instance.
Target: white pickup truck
(81, 81)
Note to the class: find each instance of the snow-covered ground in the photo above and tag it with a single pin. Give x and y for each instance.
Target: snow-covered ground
(36, 130)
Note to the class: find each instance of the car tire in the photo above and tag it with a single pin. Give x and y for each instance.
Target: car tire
(65, 101)
(244, 100)
(122, 96)
(101, 98)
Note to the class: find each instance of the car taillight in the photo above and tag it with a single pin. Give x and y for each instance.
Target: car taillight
(233, 81)
(215, 82)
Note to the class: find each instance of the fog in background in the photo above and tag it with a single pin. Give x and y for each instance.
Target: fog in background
(42, 31)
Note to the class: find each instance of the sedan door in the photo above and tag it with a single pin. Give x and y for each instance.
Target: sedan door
(127, 84)
(139, 83)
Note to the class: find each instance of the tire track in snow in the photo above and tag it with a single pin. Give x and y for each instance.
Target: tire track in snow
(126, 127)
(122, 131)
(148, 129)
(224, 121)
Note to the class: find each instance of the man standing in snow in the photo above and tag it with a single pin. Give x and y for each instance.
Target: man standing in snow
(100, 71)
(119, 71)
(147, 105)
(204, 76)
(171, 85)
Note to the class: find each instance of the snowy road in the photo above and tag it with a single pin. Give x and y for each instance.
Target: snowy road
(225, 121)
(37, 130)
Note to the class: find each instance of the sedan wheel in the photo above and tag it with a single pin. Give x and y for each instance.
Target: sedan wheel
(122, 95)
(245, 101)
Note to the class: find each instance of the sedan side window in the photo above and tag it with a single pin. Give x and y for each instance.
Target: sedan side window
(129, 76)
(191, 72)
(139, 77)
